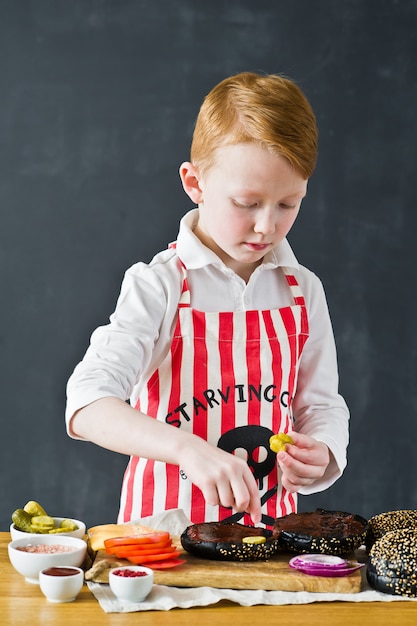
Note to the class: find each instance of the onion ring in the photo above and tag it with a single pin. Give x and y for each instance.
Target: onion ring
(324, 565)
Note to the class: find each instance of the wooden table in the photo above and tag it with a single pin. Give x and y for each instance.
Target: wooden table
(22, 603)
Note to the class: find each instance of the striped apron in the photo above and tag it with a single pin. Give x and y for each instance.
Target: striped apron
(229, 378)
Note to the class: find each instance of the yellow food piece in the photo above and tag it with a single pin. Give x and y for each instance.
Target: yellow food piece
(60, 529)
(34, 508)
(254, 540)
(277, 443)
(68, 525)
(42, 523)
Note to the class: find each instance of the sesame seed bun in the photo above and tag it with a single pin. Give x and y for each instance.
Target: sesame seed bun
(392, 565)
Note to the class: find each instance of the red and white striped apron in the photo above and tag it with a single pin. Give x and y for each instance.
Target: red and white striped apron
(229, 378)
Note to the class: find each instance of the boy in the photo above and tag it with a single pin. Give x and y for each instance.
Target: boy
(223, 339)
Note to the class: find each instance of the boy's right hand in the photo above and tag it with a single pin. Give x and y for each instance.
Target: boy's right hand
(223, 478)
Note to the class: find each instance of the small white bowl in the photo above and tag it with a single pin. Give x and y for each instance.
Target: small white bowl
(61, 584)
(29, 564)
(133, 589)
(80, 532)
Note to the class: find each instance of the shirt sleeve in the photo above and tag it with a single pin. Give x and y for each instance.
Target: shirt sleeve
(319, 410)
(121, 352)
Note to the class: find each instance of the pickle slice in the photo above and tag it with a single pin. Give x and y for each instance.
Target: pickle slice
(68, 525)
(278, 442)
(42, 523)
(34, 508)
(254, 540)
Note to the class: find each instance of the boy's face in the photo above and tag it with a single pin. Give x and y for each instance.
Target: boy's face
(249, 200)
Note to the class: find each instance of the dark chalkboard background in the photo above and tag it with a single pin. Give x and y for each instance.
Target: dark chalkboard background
(97, 103)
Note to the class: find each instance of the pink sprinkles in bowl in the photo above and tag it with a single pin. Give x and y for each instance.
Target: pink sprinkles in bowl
(44, 548)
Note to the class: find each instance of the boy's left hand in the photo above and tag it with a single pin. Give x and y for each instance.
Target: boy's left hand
(303, 463)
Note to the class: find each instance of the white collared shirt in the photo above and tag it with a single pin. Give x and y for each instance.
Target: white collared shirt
(123, 354)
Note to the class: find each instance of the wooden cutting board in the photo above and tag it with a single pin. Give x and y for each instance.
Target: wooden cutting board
(272, 575)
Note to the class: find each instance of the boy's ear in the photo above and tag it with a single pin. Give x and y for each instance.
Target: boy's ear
(190, 179)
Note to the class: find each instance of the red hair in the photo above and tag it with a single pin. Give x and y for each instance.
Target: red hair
(266, 109)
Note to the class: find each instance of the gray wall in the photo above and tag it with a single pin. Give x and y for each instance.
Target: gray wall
(97, 104)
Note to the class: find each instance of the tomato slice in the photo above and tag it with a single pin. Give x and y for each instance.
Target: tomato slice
(121, 553)
(165, 564)
(163, 556)
(137, 547)
(156, 537)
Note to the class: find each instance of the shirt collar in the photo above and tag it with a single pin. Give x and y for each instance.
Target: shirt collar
(195, 255)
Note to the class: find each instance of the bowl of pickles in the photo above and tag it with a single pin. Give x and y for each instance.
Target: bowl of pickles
(32, 519)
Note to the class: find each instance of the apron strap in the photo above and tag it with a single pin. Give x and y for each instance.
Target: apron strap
(185, 298)
(294, 286)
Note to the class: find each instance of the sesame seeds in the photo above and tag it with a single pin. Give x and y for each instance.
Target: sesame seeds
(383, 523)
(392, 566)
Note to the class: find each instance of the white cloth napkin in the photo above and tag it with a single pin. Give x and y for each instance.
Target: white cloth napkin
(163, 598)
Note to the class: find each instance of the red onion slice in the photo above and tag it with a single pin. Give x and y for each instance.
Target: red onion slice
(323, 560)
(318, 567)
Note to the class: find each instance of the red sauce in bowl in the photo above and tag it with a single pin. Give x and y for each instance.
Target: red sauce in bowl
(60, 571)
